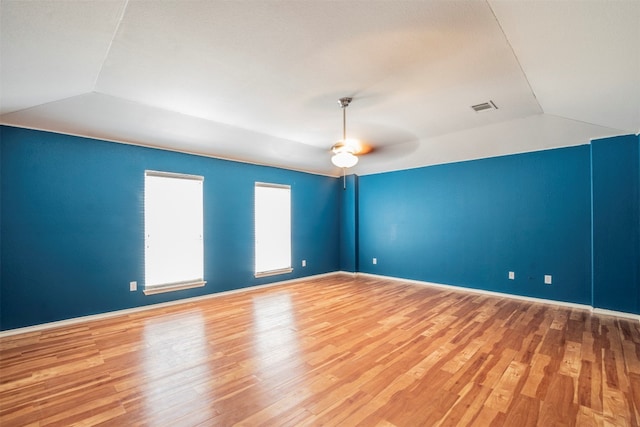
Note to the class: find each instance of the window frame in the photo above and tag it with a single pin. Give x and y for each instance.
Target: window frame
(282, 270)
(183, 284)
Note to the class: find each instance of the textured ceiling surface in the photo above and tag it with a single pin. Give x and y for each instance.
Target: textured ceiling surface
(259, 81)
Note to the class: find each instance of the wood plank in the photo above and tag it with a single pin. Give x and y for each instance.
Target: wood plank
(523, 412)
(466, 409)
(538, 365)
(558, 407)
(331, 351)
(505, 389)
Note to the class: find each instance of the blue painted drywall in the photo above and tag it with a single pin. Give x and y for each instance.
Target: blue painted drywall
(616, 229)
(349, 224)
(71, 212)
(72, 224)
(470, 223)
(0, 222)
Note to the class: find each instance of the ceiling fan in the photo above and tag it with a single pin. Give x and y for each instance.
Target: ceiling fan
(346, 151)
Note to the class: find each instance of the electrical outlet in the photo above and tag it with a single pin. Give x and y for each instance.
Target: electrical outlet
(304, 262)
(547, 279)
(512, 275)
(375, 260)
(133, 286)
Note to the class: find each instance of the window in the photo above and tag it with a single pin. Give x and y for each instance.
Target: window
(272, 229)
(173, 223)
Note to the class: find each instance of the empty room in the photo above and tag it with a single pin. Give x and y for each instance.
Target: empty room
(304, 213)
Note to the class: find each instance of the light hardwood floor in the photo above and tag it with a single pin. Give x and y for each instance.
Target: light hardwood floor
(331, 351)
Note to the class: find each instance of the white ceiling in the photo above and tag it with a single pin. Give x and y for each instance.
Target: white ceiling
(259, 81)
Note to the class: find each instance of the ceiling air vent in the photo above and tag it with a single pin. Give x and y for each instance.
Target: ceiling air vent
(485, 106)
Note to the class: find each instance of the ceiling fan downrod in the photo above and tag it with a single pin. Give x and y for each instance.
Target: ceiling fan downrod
(344, 103)
(344, 156)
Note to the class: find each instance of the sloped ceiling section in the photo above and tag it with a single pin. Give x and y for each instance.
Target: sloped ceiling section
(259, 81)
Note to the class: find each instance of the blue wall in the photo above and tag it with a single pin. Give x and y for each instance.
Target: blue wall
(349, 225)
(72, 224)
(616, 226)
(470, 223)
(71, 214)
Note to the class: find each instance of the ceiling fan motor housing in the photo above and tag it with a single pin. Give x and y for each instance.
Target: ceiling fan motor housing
(344, 102)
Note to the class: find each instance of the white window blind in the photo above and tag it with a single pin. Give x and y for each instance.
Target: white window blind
(173, 224)
(272, 218)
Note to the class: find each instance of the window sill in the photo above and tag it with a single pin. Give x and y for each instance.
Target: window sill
(273, 272)
(152, 290)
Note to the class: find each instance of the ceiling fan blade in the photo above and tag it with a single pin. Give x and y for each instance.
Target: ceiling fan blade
(394, 151)
(364, 148)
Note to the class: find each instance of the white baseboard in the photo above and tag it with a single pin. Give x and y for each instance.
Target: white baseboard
(606, 312)
(76, 320)
(599, 311)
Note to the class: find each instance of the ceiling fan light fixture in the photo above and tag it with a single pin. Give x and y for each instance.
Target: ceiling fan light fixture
(344, 159)
(344, 150)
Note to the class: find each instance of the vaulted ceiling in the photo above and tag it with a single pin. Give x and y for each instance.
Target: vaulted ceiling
(259, 81)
